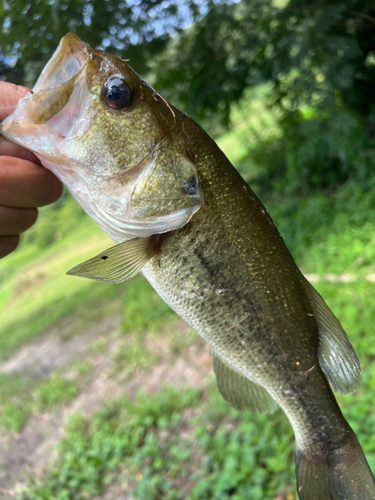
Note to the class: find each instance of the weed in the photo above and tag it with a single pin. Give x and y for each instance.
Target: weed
(15, 400)
(99, 345)
(133, 352)
(14, 415)
(82, 367)
(143, 309)
(54, 392)
(119, 431)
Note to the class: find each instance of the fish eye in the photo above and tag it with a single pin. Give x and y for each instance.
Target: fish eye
(116, 93)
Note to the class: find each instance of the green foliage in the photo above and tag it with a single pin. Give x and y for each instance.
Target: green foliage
(49, 229)
(312, 52)
(167, 454)
(318, 58)
(21, 395)
(246, 455)
(220, 53)
(54, 392)
(314, 151)
(306, 143)
(323, 51)
(91, 451)
(31, 31)
(14, 415)
(144, 310)
(329, 232)
(82, 367)
(133, 354)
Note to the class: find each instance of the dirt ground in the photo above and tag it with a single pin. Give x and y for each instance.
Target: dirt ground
(30, 451)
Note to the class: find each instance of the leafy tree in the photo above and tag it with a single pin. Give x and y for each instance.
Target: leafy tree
(137, 29)
(312, 51)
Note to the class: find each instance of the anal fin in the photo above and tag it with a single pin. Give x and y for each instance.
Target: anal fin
(239, 391)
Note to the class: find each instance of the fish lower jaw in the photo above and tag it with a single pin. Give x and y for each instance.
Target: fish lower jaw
(119, 229)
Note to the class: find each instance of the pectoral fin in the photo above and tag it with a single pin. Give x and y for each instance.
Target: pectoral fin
(239, 391)
(118, 263)
(336, 355)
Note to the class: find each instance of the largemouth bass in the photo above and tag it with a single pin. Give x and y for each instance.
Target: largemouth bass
(181, 215)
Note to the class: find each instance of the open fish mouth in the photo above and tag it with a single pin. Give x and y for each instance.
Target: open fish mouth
(55, 85)
(51, 94)
(68, 59)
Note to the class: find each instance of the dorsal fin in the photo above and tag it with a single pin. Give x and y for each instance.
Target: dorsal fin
(239, 391)
(336, 355)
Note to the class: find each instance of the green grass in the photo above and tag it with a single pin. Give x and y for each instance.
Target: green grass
(182, 340)
(85, 300)
(36, 293)
(171, 446)
(15, 400)
(329, 233)
(253, 123)
(55, 391)
(217, 453)
(21, 396)
(14, 415)
(144, 310)
(133, 355)
(40, 293)
(92, 450)
(82, 367)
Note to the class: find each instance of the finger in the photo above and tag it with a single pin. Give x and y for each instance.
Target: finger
(16, 220)
(24, 184)
(10, 94)
(8, 148)
(8, 244)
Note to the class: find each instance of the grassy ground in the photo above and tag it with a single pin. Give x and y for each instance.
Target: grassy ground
(132, 386)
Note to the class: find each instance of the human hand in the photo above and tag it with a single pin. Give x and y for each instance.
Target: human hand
(24, 183)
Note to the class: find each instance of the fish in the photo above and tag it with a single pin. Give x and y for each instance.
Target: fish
(182, 216)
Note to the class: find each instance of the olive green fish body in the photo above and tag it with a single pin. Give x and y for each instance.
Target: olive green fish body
(229, 274)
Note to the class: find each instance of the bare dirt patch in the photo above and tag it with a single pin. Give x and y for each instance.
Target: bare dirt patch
(52, 351)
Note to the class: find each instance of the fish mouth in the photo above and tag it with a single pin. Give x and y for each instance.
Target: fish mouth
(55, 85)
(46, 117)
(55, 103)
(67, 60)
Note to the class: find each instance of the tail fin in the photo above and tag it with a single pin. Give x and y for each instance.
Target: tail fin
(342, 474)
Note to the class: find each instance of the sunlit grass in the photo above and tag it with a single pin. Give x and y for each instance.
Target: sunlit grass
(172, 445)
(40, 292)
(253, 123)
(54, 392)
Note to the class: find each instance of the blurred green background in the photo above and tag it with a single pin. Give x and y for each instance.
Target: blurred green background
(104, 392)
